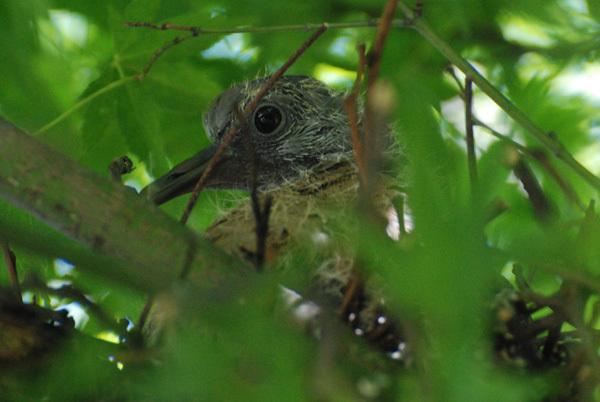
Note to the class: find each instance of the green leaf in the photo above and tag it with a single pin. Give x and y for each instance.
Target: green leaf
(594, 9)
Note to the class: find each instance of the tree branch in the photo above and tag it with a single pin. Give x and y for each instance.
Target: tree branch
(138, 245)
(547, 139)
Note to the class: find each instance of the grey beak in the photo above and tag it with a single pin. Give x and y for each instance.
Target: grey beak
(181, 179)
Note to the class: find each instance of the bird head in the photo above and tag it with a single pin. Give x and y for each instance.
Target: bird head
(299, 126)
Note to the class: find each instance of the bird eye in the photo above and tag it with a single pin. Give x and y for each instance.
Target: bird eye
(267, 119)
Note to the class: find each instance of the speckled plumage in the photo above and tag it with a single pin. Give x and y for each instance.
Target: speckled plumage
(314, 134)
(306, 166)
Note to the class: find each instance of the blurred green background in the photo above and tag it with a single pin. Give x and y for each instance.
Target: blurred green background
(67, 72)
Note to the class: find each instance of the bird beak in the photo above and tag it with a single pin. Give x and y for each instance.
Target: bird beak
(181, 179)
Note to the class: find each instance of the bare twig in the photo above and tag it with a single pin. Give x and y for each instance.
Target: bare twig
(10, 260)
(542, 157)
(261, 213)
(418, 10)
(450, 70)
(351, 107)
(494, 209)
(374, 55)
(539, 155)
(469, 132)
(373, 63)
(199, 31)
(261, 216)
(349, 293)
(243, 115)
(176, 41)
(539, 201)
(522, 283)
(547, 139)
(377, 104)
(82, 103)
(551, 342)
(145, 313)
(70, 292)
(362, 62)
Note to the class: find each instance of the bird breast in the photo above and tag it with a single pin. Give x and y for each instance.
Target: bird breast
(309, 214)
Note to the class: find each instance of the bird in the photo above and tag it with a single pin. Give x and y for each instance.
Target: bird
(294, 150)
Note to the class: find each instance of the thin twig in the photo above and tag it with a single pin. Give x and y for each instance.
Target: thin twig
(372, 144)
(261, 213)
(145, 313)
(541, 157)
(418, 10)
(551, 342)
(11, 264)
(374, 56)
(189, 258)
(522, 283)
(362, 62)
(351, 107)
(199, 31)
(176, 41)
(70, 292)
(349, 293)
(538, 155)
(373, 63)
(261, 216)
(450, 70)
(469, 132)
(500, 136)
(83, 102)
(547, 139)
(494, 209)
(243, 115)
(534, 154)
(539, 201)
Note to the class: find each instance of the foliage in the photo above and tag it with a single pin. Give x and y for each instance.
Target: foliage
(68, 70)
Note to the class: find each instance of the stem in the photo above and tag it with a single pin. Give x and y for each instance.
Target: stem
(469, 132)
(198, 31)
(9, 259)
(83, 102)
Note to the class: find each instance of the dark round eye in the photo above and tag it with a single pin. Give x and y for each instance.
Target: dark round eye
(267, 119)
